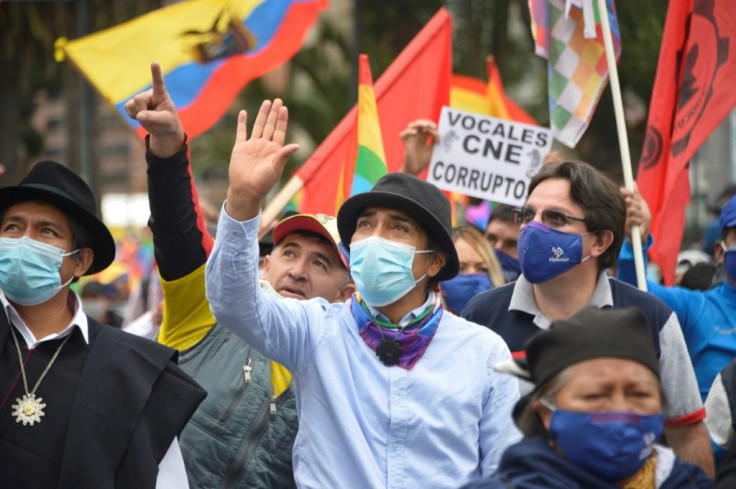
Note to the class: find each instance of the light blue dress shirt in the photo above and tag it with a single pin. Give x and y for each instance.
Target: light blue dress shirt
(362, 424)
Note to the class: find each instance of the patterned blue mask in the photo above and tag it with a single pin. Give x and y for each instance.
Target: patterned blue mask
(29, 270)
(545, 253)
(612, 445)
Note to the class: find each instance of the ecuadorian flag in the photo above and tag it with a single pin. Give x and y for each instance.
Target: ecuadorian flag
(208, 50)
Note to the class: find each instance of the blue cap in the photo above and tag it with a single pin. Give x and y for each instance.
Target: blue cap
(728, 215)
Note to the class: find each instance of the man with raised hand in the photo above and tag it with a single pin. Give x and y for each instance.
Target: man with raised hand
(243, 434)
(383, 383)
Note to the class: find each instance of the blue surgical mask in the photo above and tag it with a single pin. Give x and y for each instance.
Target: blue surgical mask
(611, 445)
(381, 269)
(459, 290)
(29, 270)
(545, 253)
(729, 261)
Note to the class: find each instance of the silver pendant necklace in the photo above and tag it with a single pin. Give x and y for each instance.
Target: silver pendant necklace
(29, 408)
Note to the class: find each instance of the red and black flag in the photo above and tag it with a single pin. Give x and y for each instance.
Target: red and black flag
(693, 92)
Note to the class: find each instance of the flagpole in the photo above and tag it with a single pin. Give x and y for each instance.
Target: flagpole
(623, 139)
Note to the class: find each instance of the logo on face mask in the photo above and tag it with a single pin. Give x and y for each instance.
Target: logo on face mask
(558, 253)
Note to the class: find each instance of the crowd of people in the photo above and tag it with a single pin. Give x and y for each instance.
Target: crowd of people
(379, 348)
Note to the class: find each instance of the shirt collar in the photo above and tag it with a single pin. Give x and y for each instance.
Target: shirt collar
(522, 298)
(79, 320)
(413, 314)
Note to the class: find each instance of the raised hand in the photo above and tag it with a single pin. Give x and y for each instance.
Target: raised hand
(419, 138)
(257, 162)
(155, 112)
(637, 212)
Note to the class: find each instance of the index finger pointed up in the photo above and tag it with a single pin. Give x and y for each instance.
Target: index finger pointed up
(159, 87)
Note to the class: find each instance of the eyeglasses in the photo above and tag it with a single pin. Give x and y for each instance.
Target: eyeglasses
(551, 218)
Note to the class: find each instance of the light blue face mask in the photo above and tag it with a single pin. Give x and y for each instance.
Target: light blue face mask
(381, 269)
(29, 270)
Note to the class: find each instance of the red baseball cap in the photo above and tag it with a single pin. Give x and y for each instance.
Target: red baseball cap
(321, 224)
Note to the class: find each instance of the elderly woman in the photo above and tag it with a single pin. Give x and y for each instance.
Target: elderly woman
(596, 412)
(480, 270)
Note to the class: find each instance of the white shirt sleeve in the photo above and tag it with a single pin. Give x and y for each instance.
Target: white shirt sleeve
(171, 471)
(677, 374)
(718, 410)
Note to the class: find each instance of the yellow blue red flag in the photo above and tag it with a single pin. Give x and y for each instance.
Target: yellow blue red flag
(208, 50)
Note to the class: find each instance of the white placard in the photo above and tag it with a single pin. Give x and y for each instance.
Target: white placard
(485, 157)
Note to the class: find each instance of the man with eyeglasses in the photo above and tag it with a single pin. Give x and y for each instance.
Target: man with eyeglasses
(572, 227)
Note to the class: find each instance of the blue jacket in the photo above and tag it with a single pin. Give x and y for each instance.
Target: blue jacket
(707, 318)
(533, 464)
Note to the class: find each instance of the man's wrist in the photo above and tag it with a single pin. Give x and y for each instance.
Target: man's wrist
(168, 145)
(241, 207)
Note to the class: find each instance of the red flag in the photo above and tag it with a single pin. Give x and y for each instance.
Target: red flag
(693, 93)
(416, 85)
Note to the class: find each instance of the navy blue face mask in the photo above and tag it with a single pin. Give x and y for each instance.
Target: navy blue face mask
(545, 253)
(612, 445)
(509, 265)
(459, 290)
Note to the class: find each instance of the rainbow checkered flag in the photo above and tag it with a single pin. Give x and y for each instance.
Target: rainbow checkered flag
(568, 34)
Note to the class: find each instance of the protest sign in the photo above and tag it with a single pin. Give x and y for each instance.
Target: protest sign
(485, 157)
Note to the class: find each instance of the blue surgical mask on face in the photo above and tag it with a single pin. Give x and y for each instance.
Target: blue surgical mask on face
(729, 261)
(545, 253)
(459, 290)
(612, 445)
(29, 270)
(381, 269)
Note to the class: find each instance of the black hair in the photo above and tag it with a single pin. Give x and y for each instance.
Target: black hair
(503, 213)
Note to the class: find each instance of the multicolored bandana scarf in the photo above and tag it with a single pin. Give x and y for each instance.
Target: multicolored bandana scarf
(394, 345)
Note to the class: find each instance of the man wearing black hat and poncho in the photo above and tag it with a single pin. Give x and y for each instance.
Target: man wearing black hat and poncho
(81, 405)
(392, 390)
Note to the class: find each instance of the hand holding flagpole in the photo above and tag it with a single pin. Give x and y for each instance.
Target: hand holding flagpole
(622, 139)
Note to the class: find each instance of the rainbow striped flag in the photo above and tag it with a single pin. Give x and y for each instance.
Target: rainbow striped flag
(487, 98)
(208, 50)
(568, 34)
(371, 163)
(370, 159)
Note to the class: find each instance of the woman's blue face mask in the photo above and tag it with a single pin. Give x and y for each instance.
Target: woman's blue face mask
(459, 290)
(611, 445)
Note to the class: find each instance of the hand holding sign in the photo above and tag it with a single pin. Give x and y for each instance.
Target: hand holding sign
(485, 157)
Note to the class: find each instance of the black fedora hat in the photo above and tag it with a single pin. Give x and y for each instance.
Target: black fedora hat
(57, 185)
(421, 200)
